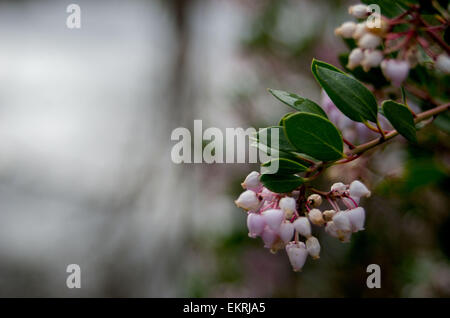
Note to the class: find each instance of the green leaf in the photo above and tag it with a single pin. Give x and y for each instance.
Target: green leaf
(283, 142)
(314, 135)
(280, 123)
(281, 183)
(348, 94)
(286, 166)
(298, 103)
(401, 119)
(389, 8)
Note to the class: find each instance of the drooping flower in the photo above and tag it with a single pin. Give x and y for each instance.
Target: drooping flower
(346, 30)
(255, 224)
(357, 217)
(297, 254)
(358, 11)
(252, 182)
(248, 200)
(355, 58)
(395, 70)
(273, 218)
(443, 63)
(302, 226)
(286, 231)
(369, 41)
(313, 247)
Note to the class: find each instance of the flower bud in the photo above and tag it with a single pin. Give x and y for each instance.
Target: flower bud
(342, 221)
(396, 71)
(328, 215)
(252, 182)
(357, 217)
(315, 216)
(338, 188)
(255, 224)
(297, 254)
(443, 63)
(346, 30)
(273, 218)
(358, 11)
(314, 200)
(303, 226)
(355, 58)
(371, 59)
(286, 231)
(313, 247)
(358, 190)
(269, 237)
(247, 200)
(361, 29)
(287, 204)
(369, 41)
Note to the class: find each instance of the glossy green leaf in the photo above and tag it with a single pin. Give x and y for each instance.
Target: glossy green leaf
(286, 166)
(401, 119)
(298, 103)
(280, 123)
(264, 136)
(314, 135)
(281, 183)
(388, 8)
(348, 94)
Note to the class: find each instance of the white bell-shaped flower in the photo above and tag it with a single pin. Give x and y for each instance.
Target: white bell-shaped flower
(255, 224)
(355, 58)
(248, 200)
(369, 41)
(252, 182)
(273, 218)
(288, 204)
(395, 70)
(346, 30)
(358, 11)
(443, 63)
(331, 229)
(286, 231)
(297, 254)
(338, 188)
(372, 58)
(342, 221)
(313, 247)
(358, 190)
(361, 29)
(269, 237)
(302, 226)
(357, 217)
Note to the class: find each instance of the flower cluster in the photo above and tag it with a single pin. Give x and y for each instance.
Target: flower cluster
(375, 43)
(283, 221)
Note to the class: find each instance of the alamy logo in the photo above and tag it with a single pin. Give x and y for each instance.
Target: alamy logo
(239, 146)
(374, 279)
(74, 19)
(74, 279)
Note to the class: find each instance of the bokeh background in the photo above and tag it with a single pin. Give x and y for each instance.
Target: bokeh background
(86, 175)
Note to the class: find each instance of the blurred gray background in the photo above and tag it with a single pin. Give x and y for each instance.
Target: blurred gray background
(85, 123)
